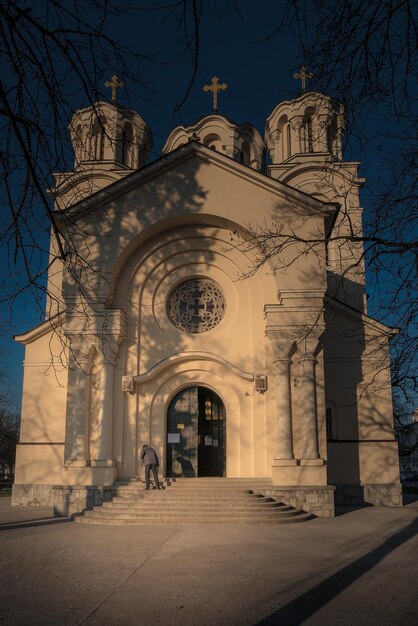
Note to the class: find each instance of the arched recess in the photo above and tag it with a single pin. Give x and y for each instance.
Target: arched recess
(127, 262)
(213, 142)
(141, 289)
(228, 387)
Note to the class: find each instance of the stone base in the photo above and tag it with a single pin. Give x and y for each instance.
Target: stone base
(64, 499)
(300, 475)
(318, 500)
(348, 494)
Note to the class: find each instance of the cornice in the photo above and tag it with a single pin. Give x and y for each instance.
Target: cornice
(367, 319)
(42, 329)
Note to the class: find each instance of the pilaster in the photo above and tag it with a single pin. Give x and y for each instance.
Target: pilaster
(294, 326)
(96, 335)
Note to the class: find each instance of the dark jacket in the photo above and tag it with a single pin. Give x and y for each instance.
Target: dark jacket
(149, 456)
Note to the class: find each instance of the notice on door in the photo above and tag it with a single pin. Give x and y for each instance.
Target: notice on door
(208, 440)
(173, 437)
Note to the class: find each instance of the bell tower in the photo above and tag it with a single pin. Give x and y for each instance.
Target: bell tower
(309, 126)
(304, 140)
(109, 142)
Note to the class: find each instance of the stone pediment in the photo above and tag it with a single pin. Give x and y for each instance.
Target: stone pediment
(197, 156)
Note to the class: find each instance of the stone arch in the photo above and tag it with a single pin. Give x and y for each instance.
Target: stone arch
(122, 265)
(144, 282)
(213, 141)
(209, 375)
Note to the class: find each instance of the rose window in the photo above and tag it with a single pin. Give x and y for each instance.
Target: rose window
(196, 305)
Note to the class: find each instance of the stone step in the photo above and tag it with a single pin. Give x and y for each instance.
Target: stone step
(227, 482)
(176, 521)
(186, 490)
(195, 501)
(154, 516)
(197, 486)
(181, 510)
(203, 497)
(181, 504)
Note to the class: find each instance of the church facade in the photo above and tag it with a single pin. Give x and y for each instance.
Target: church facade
(213, 307)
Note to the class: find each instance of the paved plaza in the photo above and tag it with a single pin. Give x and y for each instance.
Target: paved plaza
(359, 568)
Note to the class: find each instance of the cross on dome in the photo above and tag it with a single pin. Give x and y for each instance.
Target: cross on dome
(114, 84)
(303, 75)
(214, 87)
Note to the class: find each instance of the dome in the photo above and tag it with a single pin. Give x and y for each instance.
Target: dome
(108, 133)
(310, 124)
(109, 142)
(241, 142)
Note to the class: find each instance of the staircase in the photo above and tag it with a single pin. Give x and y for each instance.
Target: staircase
(188, 501)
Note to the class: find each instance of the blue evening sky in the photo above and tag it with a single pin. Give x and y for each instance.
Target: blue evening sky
(259, 74)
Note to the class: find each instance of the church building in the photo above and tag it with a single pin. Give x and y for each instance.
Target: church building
(212, 304)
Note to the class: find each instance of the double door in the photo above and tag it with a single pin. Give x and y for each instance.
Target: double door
(196, 434)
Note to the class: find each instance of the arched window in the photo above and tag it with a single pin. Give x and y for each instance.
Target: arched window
(308, 135)
(245, 154)
(331, 136)
(99, 137)
(213, 142)
(127, 145)
(329, 139)
(78, 143)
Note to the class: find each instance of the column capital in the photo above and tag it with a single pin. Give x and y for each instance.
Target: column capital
(282, 344)
(81, 350)
(308, 343)
(296, 122)
(108, 347)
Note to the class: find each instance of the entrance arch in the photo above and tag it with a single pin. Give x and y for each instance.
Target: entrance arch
(196, 434)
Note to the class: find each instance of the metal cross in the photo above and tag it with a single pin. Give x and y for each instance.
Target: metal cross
(214, 87)
(114, 84)
(303, 75)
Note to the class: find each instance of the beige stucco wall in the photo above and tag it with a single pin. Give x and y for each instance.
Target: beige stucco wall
(43, 409)
(192, 220)
(358, 390)
(39, 464)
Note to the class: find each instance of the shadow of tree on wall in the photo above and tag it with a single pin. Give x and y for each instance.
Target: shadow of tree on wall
(138, 239)
(134, 248)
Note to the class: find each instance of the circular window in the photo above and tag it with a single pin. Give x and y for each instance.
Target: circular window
(196, 305)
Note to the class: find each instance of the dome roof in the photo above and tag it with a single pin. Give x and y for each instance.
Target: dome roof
(241, 142)
(312, 123)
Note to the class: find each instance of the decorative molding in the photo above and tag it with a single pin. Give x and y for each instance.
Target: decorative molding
(184, 357)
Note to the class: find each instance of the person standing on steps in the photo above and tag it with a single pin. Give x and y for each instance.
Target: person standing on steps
(149, 458)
